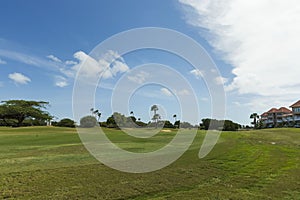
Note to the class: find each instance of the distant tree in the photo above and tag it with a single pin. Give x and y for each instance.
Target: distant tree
(260, 124)
(96, 113)
(117, 120)
(177, 124)
(168, 124)
(214, 124)
(175, 119)
(230, 126)
(19, 110)
(154, 108)
(88, 122)
(205, 123)
(131, 113)
(141, 124)
(65, 123)
(254, 116)
(156, 116)
(186, 125)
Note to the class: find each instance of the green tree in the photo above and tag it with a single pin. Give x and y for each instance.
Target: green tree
(175, 119)
(168, 124)
(96, 113)
(156, 116)
(131, 113)
(19, 110)
(254, 116)
(88, 122)
(66, 123)
(117, 120)
(154, 108)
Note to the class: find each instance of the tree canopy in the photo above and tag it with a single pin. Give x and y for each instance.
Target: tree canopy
(16, 111)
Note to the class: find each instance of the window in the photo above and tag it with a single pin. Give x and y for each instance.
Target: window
(296, 110)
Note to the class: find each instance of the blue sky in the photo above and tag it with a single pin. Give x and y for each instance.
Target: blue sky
(41, 42)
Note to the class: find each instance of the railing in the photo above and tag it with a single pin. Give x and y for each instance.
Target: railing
(297, 118)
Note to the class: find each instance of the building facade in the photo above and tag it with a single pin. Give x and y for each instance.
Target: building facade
(282, 117)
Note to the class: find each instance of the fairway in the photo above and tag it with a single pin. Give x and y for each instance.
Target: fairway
(51, 163)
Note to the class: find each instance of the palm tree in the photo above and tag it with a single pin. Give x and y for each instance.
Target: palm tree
(154, 108)
(96, 113)
(254, 116)
(175, 116)
(99, 115)
(156, 116)
(175, 119)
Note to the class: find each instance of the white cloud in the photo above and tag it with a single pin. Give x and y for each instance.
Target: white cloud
(166, 92)
(139, 78)
(70, 62)
(19, 78)
(108, 66)
(54, 58)
(183, 92)
(259, 38)
(197, 73)
(61, 81)
(220, 80)
(29, 59)
(2, 62)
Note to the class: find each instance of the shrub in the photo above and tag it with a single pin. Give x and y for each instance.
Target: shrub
(88, 122)
(65, 123)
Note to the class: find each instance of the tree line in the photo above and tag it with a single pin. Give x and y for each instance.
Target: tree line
(18, 113)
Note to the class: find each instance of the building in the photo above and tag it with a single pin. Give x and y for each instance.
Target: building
(282, 116)
(276, 117)
(296, 113)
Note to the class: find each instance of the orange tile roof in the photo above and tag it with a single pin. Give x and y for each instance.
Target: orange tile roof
(297, 104)
(273, 110)
(264, 114)
(284, 110)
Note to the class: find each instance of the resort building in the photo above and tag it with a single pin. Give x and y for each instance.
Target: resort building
(296, 113)
(282, 116)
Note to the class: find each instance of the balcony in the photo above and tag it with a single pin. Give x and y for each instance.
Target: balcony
(296, 118)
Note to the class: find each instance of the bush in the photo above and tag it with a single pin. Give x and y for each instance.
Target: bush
(65, 123)
(88, 122)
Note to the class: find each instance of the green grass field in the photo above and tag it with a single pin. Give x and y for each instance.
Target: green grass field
(51, 163)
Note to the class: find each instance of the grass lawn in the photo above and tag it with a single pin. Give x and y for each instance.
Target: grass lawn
(51, 163)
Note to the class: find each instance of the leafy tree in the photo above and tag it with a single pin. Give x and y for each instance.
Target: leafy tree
(66, 123)
(168, 124)
(19, 110)
(254, 116)
(186, 125)
(224, 125)
(230, 126)
(177, 124)
(88, 122)
(117, 120)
